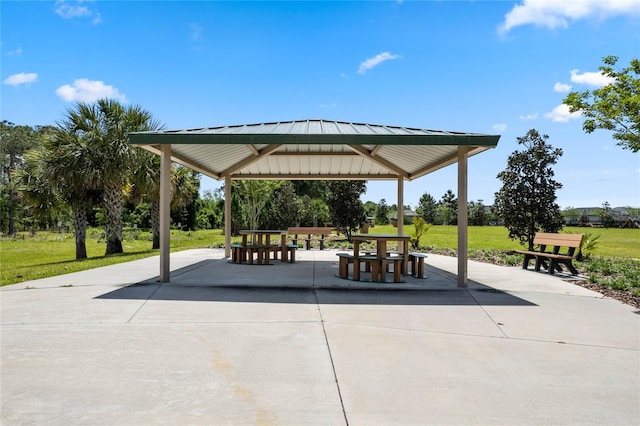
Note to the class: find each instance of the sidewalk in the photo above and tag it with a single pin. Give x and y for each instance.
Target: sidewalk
(113, 346)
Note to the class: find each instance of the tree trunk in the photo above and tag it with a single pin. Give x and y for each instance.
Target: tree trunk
(155, 224)
(12, 206)
(80, 225)
(113, 211)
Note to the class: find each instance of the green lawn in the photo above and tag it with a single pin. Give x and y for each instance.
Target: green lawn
(47, 254)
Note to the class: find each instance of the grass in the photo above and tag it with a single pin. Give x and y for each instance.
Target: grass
(613, 264)
(46, 254)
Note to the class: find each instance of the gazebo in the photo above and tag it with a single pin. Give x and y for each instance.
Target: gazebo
(313, 149)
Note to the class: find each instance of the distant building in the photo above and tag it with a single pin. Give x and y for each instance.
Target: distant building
(591, 216)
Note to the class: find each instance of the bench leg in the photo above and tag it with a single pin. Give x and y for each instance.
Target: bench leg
(292, 254)
(377, 273)
(397, 267)
(383, 271)
(343, 267)
(420, 268)
(356, 269)
(413, 260)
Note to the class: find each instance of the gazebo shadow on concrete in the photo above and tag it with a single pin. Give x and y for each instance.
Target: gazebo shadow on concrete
(309, 281)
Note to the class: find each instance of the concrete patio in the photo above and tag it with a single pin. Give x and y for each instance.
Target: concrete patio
(293, 344)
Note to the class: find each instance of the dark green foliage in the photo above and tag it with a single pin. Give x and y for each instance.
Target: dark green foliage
(447, 208)
(382, 213)
(285, 203)
(427, 208)
(477, 213)
(345, 207)
(526, 203)
(606, 216)
(15, 141)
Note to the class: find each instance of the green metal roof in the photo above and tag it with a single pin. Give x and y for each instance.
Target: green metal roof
(314, 149)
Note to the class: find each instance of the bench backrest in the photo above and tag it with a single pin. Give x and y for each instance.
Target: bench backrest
(558, 240)
(309, 230)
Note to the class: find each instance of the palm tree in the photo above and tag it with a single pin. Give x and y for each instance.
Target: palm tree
(74, 176)
(104, 125)
(145, 179)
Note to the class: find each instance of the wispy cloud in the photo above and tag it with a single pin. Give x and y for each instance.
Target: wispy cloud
(85, 90)
(16, 52)
(20, 78)
(529, 117)
(77, 9)
(196, 31)
(499, 127)
(375, 61)
(557, 13)
(561, 114)
(596, 79)
(561, 88)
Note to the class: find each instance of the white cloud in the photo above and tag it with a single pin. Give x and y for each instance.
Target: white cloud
(16, 52)
(375, 61)
(499, 127)
(77, 9)
(84, 90)
(557, 13)
(21, 78)
(591, 78)
(561, 88)
(561, 114)
(529, 117)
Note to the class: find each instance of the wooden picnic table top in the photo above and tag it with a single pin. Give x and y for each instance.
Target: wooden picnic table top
(380, 237)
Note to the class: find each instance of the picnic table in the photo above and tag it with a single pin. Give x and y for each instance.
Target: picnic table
(381, 258)
(259, 241)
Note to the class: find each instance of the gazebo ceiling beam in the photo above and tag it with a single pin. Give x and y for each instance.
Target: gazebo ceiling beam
(444, 162)
(313, 153)
(250, 160)
(314, 177)
(182, 161)
(378, 160)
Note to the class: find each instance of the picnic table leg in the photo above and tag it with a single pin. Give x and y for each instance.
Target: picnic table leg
(283, 245)
(309, 242)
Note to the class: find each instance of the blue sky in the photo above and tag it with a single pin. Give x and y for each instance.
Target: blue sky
(499, 67)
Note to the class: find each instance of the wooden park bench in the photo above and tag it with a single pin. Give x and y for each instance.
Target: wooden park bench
(553, 260)
(308, 233)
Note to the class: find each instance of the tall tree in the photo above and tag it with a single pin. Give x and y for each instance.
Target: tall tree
(14, 142)
(104, 125)
(254, 195)
(74, 176)
(286, 210)
(382, 213)
(427, 208)
(477, 213)
(448, 208)
(615, 106)
(526, 202)
(345, 207)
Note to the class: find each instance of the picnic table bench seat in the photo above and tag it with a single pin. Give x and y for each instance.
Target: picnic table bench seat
(552, 260)
(374, 264)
